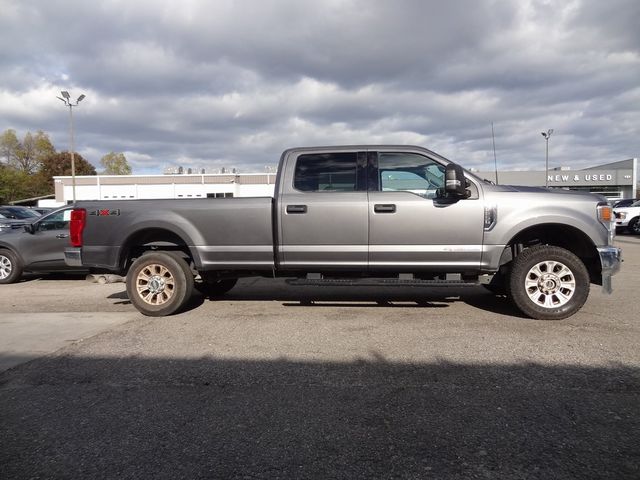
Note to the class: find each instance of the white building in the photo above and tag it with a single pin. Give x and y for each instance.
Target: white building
(121, 187)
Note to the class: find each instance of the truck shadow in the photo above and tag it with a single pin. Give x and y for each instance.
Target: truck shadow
(144, 417)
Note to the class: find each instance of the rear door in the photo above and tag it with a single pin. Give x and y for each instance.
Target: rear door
(411, 228)
(322, 214)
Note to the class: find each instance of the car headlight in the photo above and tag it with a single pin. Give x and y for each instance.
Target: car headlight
(621, 215)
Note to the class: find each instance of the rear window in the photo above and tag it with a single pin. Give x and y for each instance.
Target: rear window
(326, 172)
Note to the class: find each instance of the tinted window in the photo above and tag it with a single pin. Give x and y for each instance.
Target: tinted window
(410, 172)
(55, 221)
(19, 213)
(326, 172)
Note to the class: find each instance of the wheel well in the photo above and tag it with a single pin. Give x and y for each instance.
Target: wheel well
(564, 236)
(9, 249)
(152, 239)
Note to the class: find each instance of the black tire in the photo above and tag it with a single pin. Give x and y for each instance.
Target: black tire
(565, 288)
(159, 283)
(216, 287)
(10, 267)
(634, 226)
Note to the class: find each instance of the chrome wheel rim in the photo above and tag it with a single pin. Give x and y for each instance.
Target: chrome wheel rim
(550, 284)
(5, 267)
(155, 284)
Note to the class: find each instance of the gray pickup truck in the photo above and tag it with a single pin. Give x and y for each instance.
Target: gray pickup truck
(358, 215)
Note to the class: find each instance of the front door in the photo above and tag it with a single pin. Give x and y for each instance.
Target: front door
(44, 249)
(410, 227)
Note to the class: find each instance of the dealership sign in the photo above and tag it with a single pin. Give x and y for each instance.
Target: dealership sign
(584, 177)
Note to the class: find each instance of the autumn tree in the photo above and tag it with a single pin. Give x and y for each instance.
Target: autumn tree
(59, 164)
(27, 155)
(115, 164)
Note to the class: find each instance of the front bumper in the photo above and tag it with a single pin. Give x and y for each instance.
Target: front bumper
(610, 260)
(73, 256)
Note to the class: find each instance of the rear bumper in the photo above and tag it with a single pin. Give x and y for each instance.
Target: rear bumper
(73, 256)
(610, 260)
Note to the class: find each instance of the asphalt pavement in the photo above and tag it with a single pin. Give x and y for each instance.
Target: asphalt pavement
(276, 381)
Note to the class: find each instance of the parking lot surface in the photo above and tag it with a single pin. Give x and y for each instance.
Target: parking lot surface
(275, 381)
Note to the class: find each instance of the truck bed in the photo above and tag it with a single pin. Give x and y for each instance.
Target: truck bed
(221, 233)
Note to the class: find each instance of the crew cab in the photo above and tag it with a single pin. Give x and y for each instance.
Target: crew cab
(358, 215)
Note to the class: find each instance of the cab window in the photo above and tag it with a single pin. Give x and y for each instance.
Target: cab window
(409, 172)
(326, 172)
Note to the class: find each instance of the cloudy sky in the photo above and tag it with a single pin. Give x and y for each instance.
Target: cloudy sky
(233, 83)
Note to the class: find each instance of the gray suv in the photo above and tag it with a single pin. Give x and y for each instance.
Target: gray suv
(37, 246)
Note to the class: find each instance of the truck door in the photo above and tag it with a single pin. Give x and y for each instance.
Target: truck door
(323, 220)
(44, 248)
(410, 227)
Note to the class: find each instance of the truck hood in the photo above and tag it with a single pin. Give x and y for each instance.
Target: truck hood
(551, 192)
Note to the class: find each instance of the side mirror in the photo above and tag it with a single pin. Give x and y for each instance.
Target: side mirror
(455, 182)
(30, 228)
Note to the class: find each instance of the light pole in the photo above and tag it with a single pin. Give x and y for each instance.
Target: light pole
(67, 101)
(546, 136)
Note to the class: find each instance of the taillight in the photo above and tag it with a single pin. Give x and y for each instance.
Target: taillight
(76, 226)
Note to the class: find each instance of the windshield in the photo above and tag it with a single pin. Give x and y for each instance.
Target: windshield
(18, 213)
(635, 204)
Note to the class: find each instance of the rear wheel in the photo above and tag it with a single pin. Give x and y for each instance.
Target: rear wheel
(10, 267)
(159, 283)
(548, 283)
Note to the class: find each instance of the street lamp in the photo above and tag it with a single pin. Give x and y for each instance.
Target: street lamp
(66, 99)
(546, 136)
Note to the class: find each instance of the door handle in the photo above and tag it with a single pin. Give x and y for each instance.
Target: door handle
(62, 235)
(384, 208)
(296, 209)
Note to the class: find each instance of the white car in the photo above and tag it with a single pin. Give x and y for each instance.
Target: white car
(628, 218)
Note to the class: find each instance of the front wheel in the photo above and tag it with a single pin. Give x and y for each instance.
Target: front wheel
(548, 283)
(634, 226)
(10, 267)
(159, 283)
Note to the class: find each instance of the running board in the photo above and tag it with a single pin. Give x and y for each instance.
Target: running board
(379, 282)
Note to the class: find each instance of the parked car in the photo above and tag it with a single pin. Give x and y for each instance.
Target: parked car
(625, 202)
(42, 210)
(37, 246)
(15, 217)
(628, 218)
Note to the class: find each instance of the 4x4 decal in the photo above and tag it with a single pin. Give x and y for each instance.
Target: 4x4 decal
(105, 212)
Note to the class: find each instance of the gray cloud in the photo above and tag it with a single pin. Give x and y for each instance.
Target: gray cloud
(232, 83)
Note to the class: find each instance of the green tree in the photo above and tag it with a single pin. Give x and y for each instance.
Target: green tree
(15, 185)
(9, 145)
(115, 164)
(59, 164)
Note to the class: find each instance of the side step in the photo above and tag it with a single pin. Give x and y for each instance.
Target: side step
(378, 282)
